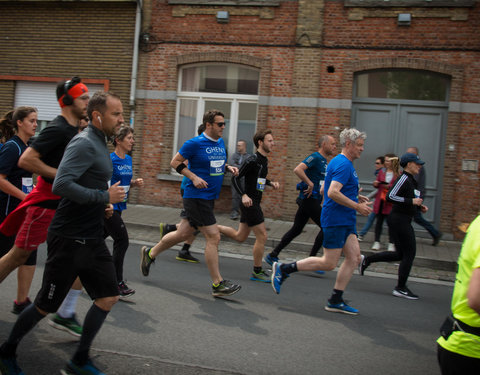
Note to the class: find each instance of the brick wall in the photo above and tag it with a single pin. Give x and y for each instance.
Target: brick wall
(293, 44)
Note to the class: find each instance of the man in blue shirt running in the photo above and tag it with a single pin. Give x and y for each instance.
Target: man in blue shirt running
(207, 158)
(338, 221)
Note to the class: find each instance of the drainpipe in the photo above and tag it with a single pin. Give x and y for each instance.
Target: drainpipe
(136, 41)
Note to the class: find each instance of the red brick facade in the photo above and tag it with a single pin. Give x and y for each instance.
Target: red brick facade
(293, 43)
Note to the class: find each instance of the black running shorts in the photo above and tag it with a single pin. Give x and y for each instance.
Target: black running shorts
(252, 215)
(199, 212)
(69, 258)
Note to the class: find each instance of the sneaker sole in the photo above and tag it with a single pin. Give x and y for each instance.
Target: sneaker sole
(333, 309)
(216, 294)
(359, 267)
(187, 260)
(396, 294)
(141, 260)
(126, 295)
(260, 280)
(272, 277)
(63, 328)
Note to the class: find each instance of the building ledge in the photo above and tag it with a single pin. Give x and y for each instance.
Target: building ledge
(409, 3)
(248, 3)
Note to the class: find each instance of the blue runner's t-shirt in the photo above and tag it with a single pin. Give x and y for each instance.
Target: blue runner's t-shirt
(317, 166)
(122, 171)
(206, 158)
(340, 169)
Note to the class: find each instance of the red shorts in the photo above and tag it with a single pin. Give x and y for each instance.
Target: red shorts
(34, 229)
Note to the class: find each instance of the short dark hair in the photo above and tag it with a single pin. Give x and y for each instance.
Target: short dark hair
(209, 116)
(98, 102)
(61, 86)
(260, 136)
(381, 158)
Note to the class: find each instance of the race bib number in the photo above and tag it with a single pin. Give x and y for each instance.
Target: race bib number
(217, 167)
(261, 184)
(27, 184)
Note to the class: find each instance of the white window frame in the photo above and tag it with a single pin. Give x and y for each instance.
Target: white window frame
(201, 97)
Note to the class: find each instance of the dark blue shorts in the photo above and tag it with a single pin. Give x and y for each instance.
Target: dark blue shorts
(335, 237)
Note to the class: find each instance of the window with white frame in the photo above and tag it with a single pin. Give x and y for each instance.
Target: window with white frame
(42, 95)
(230, 88)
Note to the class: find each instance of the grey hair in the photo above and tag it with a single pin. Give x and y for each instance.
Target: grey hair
(351, 134)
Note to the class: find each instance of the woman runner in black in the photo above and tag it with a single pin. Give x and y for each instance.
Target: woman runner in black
(405, 197)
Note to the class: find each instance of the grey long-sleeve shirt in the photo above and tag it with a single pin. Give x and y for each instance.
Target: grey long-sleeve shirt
(82, 182)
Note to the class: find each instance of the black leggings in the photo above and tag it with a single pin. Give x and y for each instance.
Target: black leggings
(308, 208)
(115, 227)
(403, 237)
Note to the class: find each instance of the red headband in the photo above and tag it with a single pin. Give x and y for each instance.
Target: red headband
(78, 90)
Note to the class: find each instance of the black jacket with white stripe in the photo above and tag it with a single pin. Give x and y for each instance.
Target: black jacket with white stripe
(402, 193)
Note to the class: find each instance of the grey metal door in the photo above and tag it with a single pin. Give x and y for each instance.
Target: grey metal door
(394, 128)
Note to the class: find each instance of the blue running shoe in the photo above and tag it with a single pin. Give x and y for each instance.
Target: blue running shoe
(277, 277)
(86, 369)
(270, 259)
(341, 308)
(9, 366)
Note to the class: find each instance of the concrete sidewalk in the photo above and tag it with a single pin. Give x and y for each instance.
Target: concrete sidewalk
(434, 261)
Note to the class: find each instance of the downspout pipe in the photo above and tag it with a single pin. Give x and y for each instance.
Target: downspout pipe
(136, 42)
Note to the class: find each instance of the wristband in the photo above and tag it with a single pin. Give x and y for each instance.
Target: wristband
(180, 167)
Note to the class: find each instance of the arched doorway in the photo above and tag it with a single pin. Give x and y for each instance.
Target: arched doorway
(399, 108)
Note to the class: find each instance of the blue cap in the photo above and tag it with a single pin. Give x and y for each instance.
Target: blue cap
(408, 157)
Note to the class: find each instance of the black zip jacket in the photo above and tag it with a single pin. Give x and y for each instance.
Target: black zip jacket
(402, 193)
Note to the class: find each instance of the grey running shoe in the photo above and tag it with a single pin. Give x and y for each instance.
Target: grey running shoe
(70, 325)
(145, 260)
(225, 288)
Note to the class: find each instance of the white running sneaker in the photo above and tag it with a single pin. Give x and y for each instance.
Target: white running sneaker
(376, 245)
(391, 247)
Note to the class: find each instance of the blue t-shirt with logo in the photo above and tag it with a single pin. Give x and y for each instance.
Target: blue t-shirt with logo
(317, 166)
(206, 158)
(122, 171)
(340, 169)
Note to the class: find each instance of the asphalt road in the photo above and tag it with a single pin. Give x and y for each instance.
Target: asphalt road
(173, 325)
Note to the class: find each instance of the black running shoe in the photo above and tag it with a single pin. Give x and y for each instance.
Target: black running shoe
(404, 293)
(184, 255)
(19, 307)
(145, 260)
(124, 290)
(225, 288)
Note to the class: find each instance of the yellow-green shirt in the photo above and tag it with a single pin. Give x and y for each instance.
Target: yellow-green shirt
(469, 259)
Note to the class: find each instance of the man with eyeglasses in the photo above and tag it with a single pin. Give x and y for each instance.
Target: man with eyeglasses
(207, 158)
